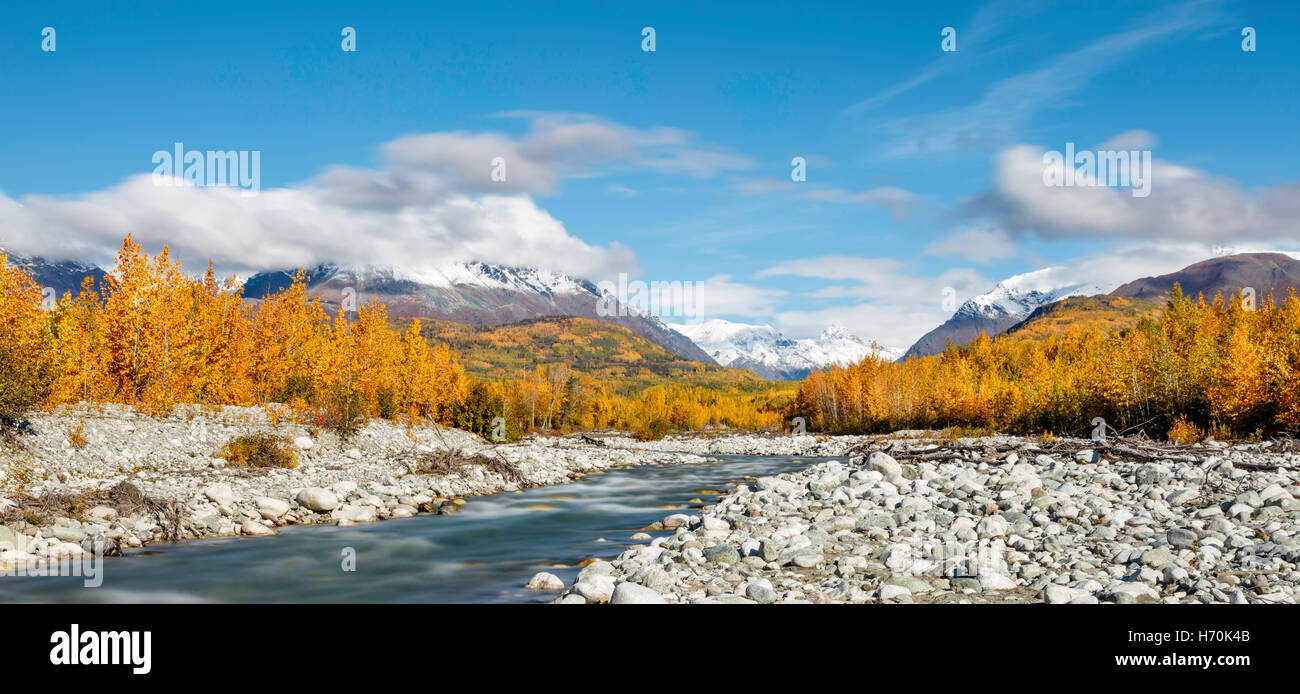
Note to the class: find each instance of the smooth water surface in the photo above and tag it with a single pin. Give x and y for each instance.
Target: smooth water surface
(485, 553)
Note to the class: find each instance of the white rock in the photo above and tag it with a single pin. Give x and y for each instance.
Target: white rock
(1055, 594)
(303, 442)
(996, 581)
(675, 521)
(884, 464)
(252, 527)
(318, 499)
(714, 523)
(1182, 496)
(355, 513)
(626, 593)
(992, 526)
(545, 581)
(890, 591)
(344, 488)
(220, 494)
(271, 509)
(597, 588)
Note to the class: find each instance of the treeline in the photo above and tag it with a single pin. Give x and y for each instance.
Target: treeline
(1216, 368)
(157, 337)
(556, 398)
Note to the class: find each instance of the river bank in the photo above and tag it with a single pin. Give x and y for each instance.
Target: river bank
(998, 519)
(64, 493)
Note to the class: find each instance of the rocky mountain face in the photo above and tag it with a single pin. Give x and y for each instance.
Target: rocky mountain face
(1007, 304)
(476, 294)
(1264, 272)
(767, 352)
(62, 276)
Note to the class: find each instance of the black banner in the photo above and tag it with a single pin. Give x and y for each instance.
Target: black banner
(973, 643)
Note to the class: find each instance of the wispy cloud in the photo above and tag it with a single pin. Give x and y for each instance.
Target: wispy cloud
(1009, 105)
(973, 39)
(897, 201)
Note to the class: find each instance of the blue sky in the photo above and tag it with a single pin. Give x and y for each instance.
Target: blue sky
(673, 165)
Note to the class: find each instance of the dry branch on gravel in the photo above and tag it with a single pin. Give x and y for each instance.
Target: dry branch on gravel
(1132, 447)
(123, 497)
(451, 460)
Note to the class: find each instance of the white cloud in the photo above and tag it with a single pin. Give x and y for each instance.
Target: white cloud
(432, 202)
(1130, 139)
(896, 200)
(1183, 204)
(720, 296)
(877, 298)
(976, 244)
(619, 190)
(287, 228)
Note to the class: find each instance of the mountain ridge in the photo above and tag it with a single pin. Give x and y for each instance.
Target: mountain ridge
(477, 294)
(767, 352)
(1011, 301)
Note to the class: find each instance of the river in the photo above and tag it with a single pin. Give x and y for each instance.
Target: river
(484, 554)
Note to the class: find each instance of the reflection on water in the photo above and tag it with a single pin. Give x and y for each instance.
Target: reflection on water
(485, 553)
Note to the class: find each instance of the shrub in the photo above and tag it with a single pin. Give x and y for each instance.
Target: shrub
(260, 450)
(343, 412)
(77, 436)
(651, 429)
(1184, 431)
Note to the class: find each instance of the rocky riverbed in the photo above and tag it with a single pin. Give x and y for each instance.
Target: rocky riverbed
(999, 519)
(105, 479)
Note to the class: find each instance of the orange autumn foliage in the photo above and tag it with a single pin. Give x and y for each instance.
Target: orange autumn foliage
(1218, 366)
(158, 337)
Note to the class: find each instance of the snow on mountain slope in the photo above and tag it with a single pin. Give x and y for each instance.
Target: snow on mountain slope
(1019, 295)
(478, 294)
(1010, 302)
(479, 275)
(770, 354)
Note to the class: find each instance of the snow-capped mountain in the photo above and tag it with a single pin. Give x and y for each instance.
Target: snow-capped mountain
(61, 276)
(1010, 302)
(1019, 295)
(474, 293)
(770, 354)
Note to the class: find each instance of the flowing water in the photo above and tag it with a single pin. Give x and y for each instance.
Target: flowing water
(485, 553)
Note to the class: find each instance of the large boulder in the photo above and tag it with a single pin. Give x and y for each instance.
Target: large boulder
(884, 464)
(318, 499)
(626, 593)
(220, 494)
(271, 509)
(545, 581)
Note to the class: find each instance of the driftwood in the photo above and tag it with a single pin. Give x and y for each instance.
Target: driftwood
(1134, 447)
(451, 460)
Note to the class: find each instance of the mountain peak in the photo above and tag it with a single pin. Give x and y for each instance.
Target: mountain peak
(836, 331)
(769, 353)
